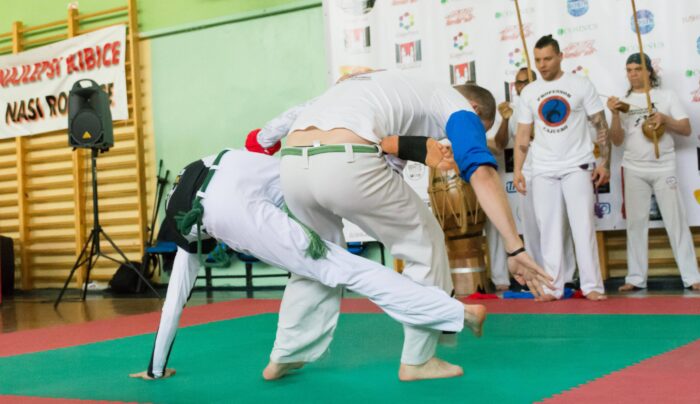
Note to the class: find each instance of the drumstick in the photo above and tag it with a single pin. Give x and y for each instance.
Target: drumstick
(645, 74)
(522, 37)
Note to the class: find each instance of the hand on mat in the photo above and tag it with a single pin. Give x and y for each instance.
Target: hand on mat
(526, 271)
(144, 375)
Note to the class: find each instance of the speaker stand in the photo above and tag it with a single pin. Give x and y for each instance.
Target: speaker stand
(91, 251)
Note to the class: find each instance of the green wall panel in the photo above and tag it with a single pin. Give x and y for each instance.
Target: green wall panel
(153, 14)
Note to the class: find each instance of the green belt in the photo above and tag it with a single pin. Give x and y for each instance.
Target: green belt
(333, 148)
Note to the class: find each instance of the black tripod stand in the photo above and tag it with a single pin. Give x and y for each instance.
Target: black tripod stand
(93, 244)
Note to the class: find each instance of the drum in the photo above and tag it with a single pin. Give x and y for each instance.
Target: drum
(457, 210)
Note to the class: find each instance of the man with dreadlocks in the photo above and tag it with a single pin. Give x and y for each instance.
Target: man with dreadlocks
(645, 174)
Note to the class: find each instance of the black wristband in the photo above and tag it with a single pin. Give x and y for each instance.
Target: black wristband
(516, 252)
(413, 148)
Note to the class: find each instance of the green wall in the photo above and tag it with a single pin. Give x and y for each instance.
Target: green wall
(153, 14)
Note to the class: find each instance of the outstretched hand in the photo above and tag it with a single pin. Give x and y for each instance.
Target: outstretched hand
(144, 375)
(526, 271)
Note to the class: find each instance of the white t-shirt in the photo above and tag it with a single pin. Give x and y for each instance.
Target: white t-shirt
(560, 110)
(384, 103)
(639, 151)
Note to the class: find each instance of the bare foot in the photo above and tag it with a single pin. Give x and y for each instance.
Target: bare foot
(596, 296)
(432, 369)
(627, 287)
(695, 287)
(502, 288)
(474, 317)
(546, 298)
(274, 371)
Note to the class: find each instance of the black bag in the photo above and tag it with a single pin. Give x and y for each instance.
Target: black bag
(7, 266)
(125, 280)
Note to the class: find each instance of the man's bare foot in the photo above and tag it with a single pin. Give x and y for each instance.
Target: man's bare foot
(274, 371)
(502, 288)
(628, 287)
(474, 317)
(546, 298)
(432, 369)
(596, 296)
(695, 287)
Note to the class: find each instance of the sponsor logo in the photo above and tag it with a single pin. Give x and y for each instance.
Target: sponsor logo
(357, 39)
(697, 44)
(645, 18)
(605, 207)
(580, 70)
(402, 2)
(463, 72)
(356, 7)
(516, 58)
(690, 72)
(510, 187)
(512, 32)
(635, 48)
(406, 21)
(460, 41)
(577, 8)
(697, 196)
(695, 95)
(577, 29)
(512, 13)
(577, 49)
(459, 16)
(414, 171)
(691, 18)
(672, 181)
(554, 111)
(408, 54)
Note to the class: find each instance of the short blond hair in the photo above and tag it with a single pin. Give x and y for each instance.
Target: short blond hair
(482, 97)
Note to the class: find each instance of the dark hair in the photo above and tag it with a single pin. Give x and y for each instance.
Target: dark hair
(524, 69)
(548, 40)
(654, 80)
(482, 97)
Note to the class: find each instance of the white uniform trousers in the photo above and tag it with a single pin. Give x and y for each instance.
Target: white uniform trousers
(638, 189)
(322, 189)
(567, 193)
(531, 234)
(497, 256)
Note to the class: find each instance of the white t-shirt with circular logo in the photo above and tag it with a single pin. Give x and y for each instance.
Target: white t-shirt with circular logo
(560, 110)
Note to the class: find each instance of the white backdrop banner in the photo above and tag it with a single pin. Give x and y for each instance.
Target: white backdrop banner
(34, 85)
(460, 40)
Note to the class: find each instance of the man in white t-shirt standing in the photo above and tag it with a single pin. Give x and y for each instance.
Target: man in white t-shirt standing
(531, 233)
(333, 169)
(563, 165)
(644, 174)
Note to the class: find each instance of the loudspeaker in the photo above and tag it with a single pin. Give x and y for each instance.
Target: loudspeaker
(89, 117)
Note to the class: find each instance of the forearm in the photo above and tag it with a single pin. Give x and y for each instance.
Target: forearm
(492, 199)
(522, 146)
(678, 126)
(501, 138)
(617, 134)
(603, 136)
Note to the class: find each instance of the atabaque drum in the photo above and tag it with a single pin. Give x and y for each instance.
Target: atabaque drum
(456, 208)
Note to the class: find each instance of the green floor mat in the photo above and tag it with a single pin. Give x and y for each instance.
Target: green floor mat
(521, 358)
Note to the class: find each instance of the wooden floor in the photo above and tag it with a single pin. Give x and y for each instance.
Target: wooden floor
(31, 310)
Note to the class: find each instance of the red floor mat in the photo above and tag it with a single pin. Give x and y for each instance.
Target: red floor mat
(673, 377)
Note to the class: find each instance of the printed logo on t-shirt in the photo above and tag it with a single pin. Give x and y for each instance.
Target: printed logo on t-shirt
(554, 112)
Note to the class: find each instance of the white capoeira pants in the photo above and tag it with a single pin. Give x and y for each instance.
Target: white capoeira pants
(638, 189)
(322, 189)
(497, 256)
(561, 194)
(531, 234)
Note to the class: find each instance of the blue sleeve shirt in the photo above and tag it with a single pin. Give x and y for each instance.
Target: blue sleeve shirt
(468, 137)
